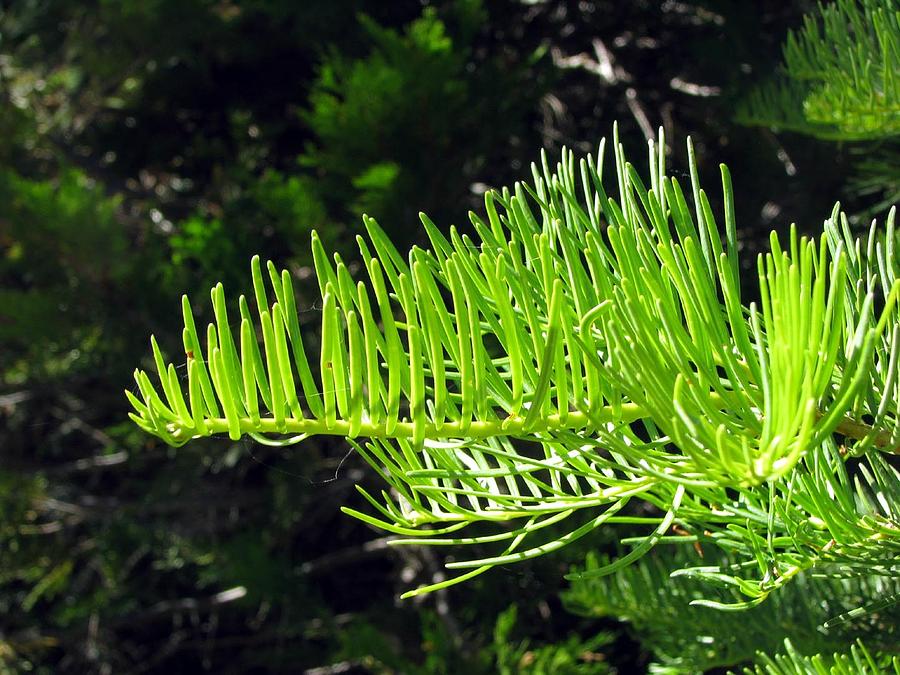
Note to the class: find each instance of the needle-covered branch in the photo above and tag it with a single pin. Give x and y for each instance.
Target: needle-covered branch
(582, 350)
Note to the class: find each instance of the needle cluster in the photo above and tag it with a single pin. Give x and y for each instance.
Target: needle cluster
(586, 350)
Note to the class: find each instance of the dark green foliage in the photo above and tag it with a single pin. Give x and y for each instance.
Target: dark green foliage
(277, 210)
(877, 173)
(64, 255)
(409, 127)
(695, 638)
(572, 655)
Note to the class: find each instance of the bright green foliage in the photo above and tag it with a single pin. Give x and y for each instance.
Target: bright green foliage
(589, 351)
(840, 75)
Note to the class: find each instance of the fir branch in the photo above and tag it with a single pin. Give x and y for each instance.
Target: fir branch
(840, 75)
(588, 351)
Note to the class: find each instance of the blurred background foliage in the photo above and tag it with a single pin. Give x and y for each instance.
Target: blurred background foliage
(840, 81)
(149, 148)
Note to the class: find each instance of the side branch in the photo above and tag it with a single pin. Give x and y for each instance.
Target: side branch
(882, 440)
